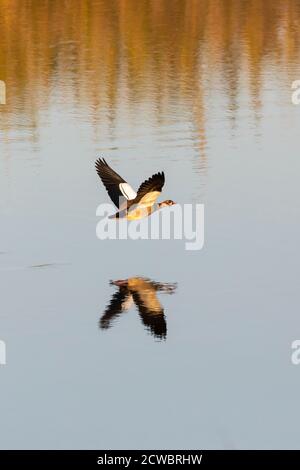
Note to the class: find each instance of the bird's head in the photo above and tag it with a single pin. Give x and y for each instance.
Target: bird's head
(166, 203)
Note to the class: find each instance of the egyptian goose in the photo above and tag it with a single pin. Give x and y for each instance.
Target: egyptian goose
(141, 292)
(132, 205)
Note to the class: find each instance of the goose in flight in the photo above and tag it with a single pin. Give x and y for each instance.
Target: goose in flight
(132, 205)
(141, 292)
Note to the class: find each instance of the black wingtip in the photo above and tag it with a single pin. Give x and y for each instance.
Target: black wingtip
(162, 175)
(100, 162)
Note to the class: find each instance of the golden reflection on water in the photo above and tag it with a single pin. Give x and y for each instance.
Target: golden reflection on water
(105, 55)
(143, 294)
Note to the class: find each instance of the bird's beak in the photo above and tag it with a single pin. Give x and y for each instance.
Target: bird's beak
(119, 282)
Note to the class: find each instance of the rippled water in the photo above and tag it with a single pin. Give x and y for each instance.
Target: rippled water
(202, 91)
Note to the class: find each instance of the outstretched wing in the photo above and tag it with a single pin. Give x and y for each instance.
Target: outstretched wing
(149, 190)
(150, 309)
(151, 313)
(120, 302)
(116, 186)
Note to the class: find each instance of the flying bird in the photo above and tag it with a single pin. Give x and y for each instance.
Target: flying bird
(141, 292)
(132, 205)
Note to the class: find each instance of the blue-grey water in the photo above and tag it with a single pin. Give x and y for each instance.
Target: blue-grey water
(201, 91)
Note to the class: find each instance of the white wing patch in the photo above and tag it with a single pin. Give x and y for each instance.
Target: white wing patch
(127, 191)
(127, 304)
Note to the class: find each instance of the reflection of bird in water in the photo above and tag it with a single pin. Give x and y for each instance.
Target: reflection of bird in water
(143, 293)
(132, 205)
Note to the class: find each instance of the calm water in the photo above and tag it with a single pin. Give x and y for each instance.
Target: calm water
(202, 91)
